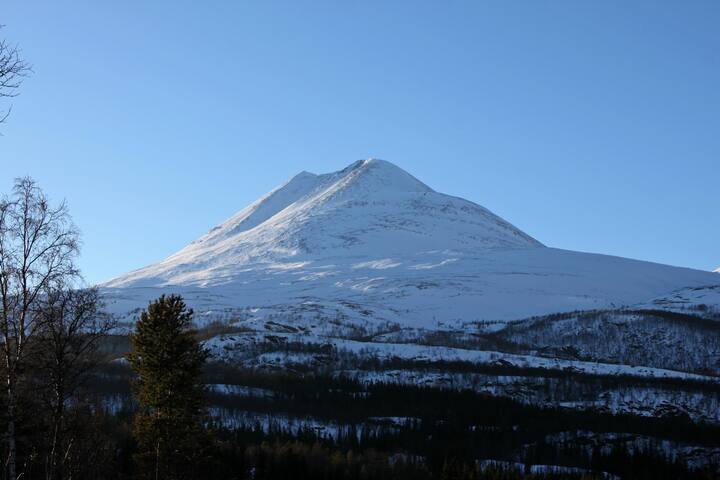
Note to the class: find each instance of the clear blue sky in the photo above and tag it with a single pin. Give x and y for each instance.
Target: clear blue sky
(592, 126)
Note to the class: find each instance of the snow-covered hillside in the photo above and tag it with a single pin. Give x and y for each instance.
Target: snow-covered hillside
(370, 243)
(371, 207)
(370, 273)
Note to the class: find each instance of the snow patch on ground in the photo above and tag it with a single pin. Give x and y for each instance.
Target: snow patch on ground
(233, 347)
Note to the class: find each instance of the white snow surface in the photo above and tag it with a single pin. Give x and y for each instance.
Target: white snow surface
(369, 207)
(373, 237)
(702, 299)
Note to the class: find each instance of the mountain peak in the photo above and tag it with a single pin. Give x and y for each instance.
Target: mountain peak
(370, 207)
(304, 174)
(376, 175)
(370, 161)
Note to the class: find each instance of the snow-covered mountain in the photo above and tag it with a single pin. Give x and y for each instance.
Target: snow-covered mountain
(371, 207)
(372, 243)
(370, 274)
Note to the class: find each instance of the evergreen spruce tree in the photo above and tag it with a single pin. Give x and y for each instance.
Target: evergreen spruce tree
(168, 361)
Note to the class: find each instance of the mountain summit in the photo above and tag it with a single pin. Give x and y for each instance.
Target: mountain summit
(371, 206)
(372, 244)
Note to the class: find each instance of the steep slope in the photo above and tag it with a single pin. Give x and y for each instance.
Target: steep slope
(370, 206)
(371, 244)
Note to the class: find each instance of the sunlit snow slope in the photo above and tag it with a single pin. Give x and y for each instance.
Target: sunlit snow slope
(372, 243)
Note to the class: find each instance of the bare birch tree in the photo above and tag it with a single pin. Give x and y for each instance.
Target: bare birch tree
(38, 248)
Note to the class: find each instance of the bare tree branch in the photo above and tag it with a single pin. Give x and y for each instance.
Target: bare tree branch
(13, 70)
